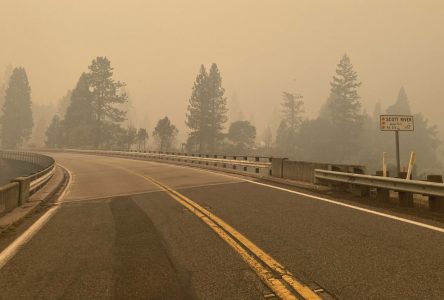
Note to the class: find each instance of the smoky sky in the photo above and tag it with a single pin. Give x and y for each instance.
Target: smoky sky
(261, 47)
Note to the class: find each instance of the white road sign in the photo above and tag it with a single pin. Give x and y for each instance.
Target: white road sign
(396, 123)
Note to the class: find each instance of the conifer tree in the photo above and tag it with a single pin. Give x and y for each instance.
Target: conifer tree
(423, 140)
(207, 111)
(106, 95)
(217, 107)
(16, 121)
(340, 122)
(197, 115)
(4, 81)
(292, 109)
(343, 105)
(401, 106)
(79, 118)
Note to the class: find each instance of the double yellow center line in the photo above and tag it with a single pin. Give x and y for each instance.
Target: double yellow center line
(273, 274)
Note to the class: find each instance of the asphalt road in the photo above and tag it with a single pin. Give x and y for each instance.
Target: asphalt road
(117, 235)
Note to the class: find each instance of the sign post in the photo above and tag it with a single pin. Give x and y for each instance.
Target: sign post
(398, 160)
(396, 123)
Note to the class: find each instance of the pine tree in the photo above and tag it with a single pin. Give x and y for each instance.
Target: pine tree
(207, 111)
(4, 81)
(340, 122)
(79, 118)
(217, 107)
(423, 140)
(197, 115)
(106, 95)
(292, 109)
(401, 106)
(343, 105)
(344, 113)
(17, 120)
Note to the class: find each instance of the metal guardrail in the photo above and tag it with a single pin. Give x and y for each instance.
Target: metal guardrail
(17, 192)
(252, 164)
(44, 165)
(40, 178)
(388, 183)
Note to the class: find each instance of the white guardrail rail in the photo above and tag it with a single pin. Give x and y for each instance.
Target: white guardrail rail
(252, 164)
(388, 183)
(40, 178)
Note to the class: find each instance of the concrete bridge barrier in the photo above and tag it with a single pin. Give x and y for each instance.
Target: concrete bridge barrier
(17, 192)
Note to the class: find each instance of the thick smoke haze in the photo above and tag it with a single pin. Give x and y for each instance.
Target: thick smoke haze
(262, 48)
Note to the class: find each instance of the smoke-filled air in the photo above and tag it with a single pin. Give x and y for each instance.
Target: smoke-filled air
(304, 80)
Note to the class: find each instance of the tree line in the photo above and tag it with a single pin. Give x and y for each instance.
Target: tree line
(92, 114)
(344, 133)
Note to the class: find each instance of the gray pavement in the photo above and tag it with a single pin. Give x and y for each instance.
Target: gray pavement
(140, 245)
(118, 236)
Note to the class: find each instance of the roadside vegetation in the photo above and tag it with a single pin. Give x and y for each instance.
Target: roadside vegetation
(97, 114)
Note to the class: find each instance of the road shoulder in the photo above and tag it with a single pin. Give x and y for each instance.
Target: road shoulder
(36, 201)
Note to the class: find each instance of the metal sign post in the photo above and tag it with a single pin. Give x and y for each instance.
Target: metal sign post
(398, 159)
(396, 123)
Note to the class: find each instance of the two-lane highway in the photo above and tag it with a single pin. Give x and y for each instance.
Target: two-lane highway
(119, 234)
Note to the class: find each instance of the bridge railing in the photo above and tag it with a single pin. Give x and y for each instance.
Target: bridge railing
(248, 164)
(383, 185)
(19, 189)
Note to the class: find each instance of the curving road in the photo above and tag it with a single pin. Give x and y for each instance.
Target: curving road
(118, 235)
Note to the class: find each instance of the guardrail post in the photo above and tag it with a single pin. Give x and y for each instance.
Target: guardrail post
(382, 195)
(436, 203)
(24, 183)
(405, 198)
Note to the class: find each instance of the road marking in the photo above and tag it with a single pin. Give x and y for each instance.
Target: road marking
(10, 251)
(220, 173)
(411, 222)
(284, 284)
(435, 228)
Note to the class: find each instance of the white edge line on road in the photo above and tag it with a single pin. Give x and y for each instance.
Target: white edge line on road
(435, 228)
(15, 246)
(242, 177)
(431, 227)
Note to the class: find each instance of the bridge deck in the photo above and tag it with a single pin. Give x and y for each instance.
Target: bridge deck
(118, 235)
